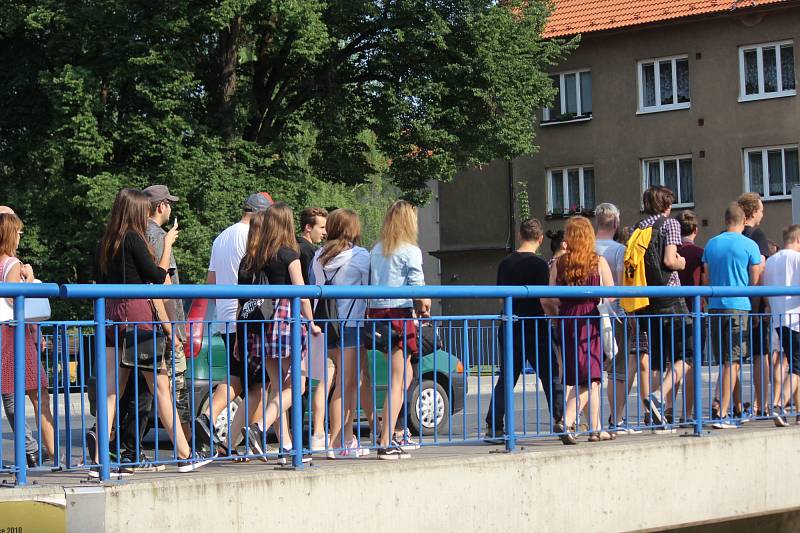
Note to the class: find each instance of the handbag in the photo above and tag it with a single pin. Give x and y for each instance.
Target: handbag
(141, 348)
(36, 309)
(610, 347)
(606, 311)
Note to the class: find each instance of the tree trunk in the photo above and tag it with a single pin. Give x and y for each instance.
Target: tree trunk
(228, 55)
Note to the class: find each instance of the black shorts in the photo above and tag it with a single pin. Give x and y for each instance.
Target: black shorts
(235, 366)
(790, 342)
(664, 333)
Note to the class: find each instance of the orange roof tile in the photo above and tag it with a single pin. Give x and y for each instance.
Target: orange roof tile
(581, 16)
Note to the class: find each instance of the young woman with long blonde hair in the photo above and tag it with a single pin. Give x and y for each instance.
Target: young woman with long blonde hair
(396, 261)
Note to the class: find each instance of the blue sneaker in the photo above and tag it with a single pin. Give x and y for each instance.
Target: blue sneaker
(725, 423)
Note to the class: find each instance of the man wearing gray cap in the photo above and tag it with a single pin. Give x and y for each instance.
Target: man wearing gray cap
(223, 269)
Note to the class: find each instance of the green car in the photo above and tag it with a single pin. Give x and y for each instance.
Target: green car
(435, 397)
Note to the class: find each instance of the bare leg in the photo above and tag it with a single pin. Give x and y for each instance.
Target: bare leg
(394, 397)
(219, 400)
(319, 401)
(730, 376)
(366, 393)
(644, 376)
(164, 406)
(47, 433)
(571, 413)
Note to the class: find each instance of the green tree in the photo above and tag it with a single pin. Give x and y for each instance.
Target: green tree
(346, 102)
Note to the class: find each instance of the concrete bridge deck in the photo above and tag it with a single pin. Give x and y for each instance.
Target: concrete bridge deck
(648, 481)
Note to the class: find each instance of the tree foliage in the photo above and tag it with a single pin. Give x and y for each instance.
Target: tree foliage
(312, 100)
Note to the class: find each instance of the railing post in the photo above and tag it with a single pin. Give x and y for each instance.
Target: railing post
(697, 329)
(508, 364)
(102, 388)
(297, 398)
(19, 391)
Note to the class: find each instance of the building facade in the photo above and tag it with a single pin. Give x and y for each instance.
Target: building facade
(704, 104)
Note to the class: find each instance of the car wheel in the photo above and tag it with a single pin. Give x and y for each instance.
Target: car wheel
(221, 423)
(431, 410)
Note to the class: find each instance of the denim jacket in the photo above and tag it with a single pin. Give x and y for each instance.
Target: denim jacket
(403, 267)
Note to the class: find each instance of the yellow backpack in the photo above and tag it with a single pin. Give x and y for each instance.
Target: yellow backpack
(634, 273)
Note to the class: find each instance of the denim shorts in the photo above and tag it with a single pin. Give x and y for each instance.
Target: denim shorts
(351, 338)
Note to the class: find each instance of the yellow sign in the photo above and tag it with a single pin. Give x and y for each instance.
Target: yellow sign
(32, 517)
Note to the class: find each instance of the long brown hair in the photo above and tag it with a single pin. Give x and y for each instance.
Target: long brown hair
(344, 230)
(128, 214)
(277, 232)
(580, 258)
(399, 227)
(254, 235)
(10, 226)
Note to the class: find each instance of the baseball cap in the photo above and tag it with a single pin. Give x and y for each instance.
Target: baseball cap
(258, 201)
(159, 193)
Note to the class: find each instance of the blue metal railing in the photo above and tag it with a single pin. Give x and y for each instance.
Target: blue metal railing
(465, 336)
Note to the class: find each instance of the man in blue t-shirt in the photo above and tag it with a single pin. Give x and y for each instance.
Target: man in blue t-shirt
(731, 260)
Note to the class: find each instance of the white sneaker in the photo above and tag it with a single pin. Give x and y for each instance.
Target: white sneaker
(354, 444)
(318, 443)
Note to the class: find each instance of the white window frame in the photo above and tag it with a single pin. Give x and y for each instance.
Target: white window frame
(761, 95)
(565, 186)
(657, 78)
(661, 160)
(562, 104)
(765, 196)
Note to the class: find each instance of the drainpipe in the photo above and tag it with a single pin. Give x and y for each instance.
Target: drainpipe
(512, 217)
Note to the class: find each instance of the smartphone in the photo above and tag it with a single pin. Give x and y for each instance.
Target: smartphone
(175, 221)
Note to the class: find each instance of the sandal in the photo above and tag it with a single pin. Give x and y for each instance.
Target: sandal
(597, 436)
(566, 437)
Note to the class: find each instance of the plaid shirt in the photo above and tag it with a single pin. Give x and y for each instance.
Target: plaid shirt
(671, 232)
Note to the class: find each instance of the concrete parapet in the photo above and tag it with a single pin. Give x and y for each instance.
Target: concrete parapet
(635, 482)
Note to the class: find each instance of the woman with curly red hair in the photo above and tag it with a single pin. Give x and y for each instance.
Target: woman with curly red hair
(580, 327)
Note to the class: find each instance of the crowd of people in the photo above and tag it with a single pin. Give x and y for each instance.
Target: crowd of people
(650, 340)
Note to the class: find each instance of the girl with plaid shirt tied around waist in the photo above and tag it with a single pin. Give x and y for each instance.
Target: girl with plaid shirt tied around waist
(272, 252)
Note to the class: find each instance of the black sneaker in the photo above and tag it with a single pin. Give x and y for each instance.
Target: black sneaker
(253, 435)
(392, 453)
(142, 465)
(654, 406)
(496, 435)
(202, 433)
(197, 460)
(32, 459)
(91, 445)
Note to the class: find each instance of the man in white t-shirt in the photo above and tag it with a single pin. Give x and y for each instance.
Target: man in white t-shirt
(607, 217)
(783, 269)
(223, 269)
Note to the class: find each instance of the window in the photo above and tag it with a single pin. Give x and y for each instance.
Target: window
(664, 84)
(573, 99)
(674, 172)
(766, 71)
(771, 171)
(571, 190)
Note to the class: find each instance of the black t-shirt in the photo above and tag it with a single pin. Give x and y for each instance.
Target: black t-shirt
(307, 251)
(138, 263)
(759, 237)
(524, 268)
(277, 270)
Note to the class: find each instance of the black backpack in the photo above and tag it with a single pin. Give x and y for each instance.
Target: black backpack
(254, 311)
(655, 270)
(327, 312)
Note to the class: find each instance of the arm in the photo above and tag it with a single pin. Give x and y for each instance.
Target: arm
(606, 279)
(672, 259)
(148, 270)
(416, 278)
(551, 305)
(296, 275)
